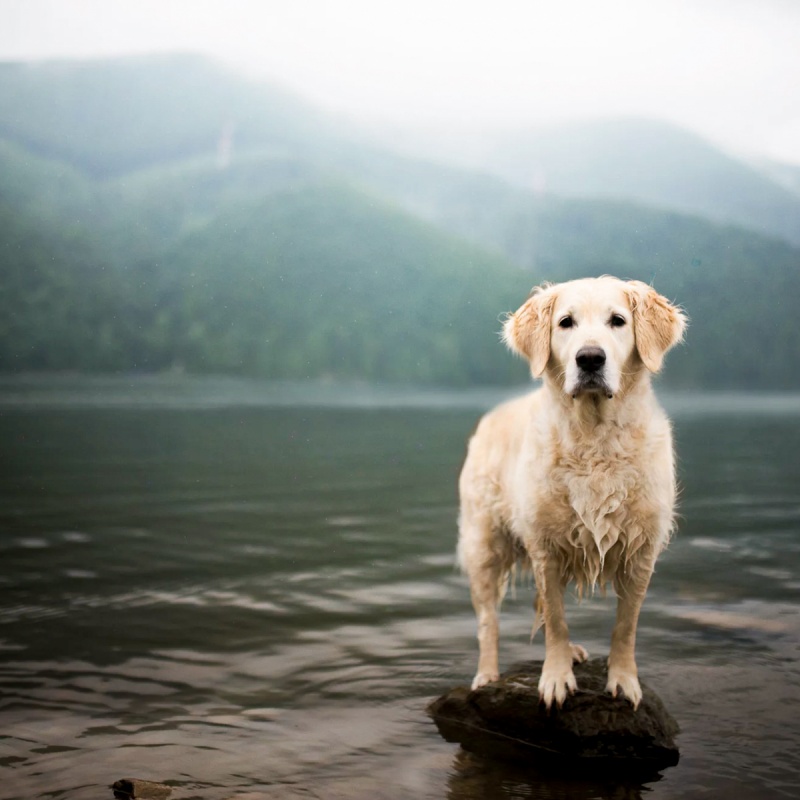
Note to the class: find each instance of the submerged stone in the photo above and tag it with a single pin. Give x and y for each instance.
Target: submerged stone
(505, 719)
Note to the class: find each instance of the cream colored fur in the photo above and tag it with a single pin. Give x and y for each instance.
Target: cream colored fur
(574, 481)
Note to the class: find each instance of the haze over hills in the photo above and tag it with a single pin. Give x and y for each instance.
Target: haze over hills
(114, 117)
(645, 161)
(160, 213)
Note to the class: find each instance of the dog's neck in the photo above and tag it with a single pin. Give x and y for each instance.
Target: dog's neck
(593, 411)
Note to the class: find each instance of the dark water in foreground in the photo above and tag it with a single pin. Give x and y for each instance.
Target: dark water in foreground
(209, 584)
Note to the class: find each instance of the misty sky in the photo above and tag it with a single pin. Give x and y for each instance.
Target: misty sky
(728, 69)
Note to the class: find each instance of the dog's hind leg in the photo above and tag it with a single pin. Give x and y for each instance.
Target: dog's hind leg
(487, 557)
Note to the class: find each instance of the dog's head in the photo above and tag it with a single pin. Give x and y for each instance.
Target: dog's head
(595, 335)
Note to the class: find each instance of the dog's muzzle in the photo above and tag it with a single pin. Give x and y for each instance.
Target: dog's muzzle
(590, 361)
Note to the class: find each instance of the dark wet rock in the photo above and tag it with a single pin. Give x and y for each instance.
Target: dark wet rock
(505, 719)
(136, 789)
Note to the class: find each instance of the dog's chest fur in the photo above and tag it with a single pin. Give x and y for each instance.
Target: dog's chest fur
(587, 511)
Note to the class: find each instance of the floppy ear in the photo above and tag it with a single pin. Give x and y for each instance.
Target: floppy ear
(527, 330)
(657, 324)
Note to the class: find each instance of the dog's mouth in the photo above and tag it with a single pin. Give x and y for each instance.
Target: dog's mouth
(592, 383)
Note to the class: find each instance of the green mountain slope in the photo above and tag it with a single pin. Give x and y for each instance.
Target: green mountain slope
(117, 116)
(144, 213)
(313, 259)
(59, 303)
(318, 280)
(46, 187)
(328, 281)
(735, 284)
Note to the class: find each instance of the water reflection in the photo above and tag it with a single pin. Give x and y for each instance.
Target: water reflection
(475, 778)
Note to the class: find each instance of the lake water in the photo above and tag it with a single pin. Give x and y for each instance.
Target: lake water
(249, 591)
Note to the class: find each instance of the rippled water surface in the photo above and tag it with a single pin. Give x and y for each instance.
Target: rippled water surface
(248, 591)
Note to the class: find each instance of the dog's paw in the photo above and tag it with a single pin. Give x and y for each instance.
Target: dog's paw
(557, 680)
(482, 678)
(579, 654)
(625, 681)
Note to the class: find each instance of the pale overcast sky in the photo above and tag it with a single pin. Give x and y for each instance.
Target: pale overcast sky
(728, 69)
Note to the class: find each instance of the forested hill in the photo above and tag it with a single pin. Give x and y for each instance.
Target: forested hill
(163, 213)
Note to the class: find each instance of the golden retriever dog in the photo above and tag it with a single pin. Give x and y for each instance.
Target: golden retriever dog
(575, 481)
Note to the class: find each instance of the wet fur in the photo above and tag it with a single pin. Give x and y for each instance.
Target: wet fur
(575, 485)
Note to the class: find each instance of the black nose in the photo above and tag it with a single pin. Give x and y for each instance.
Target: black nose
(591, 359)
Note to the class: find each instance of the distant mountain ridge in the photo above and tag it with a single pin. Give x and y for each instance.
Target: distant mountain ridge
(120, 115)
(185, 218)
(645, 161)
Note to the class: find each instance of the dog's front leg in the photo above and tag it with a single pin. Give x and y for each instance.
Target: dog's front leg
(557, 675)
(631, 585)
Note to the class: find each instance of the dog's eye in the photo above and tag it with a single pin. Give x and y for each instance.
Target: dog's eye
(566, 322)
(617, 321)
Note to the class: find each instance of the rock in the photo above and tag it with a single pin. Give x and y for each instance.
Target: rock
(505, 719)
(132, 788)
